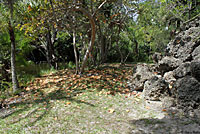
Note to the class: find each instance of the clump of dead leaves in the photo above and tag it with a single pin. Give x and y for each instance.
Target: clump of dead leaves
(107, 80)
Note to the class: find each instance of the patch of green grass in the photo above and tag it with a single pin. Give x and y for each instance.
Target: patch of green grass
(33, 69)
(64, 103)
(85, 113)
(27, 73)
(30, 71)
(47, 71)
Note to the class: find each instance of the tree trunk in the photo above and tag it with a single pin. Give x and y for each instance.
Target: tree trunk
(75, 52)
(103, 47)
(51, 59)
(136, 48)
(91, 44)
(189, 9)
(120, 52)
(13, 62)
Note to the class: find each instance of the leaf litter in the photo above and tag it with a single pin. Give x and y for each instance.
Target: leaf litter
(99, 101)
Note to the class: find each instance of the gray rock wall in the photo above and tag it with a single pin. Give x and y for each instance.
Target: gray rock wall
(177, 74)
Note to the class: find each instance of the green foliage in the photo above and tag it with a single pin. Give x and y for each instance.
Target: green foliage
(4, 89)
(149, 29)
(184, 9)
(4, 60)
(23, 49)
(71, 65)
(118, 33)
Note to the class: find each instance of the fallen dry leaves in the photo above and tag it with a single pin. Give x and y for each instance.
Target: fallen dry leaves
(68, 103)
(106, 80)
(111, 79)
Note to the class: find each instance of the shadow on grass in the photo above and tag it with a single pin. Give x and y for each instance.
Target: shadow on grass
(67, 85)
(170, 124)
(38, 107)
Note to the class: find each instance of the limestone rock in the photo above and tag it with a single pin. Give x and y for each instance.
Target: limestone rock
(169, 77)
(168, 64)
(179, 69)
(157, 57)
(195, 70)
(187, 92)
(142, 74)
(196, 53)
(168, 102)
(183, 70)
(155, 89)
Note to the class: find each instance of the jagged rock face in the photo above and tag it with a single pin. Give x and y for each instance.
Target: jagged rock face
(142, 73)
(187, 92)
(169, 77)
(184, 44)
(183, 70)
(168, 64)
(195, 70)
(179, 69)
(155, 89)
(195, 23)
(196, 53)
(157, 57)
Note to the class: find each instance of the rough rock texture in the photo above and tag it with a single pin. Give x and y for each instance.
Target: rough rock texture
(183, 70)
(142, 73)
(169, 77)
(179, 69)
(196, 53)
(187, 92)
(184, 44)
(195, 70)
(155, 89)
(168, 64)
(157, 57)
(168, 102)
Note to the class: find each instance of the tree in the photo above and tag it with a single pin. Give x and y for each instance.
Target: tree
(182, 10)
(47, 23)
(10, 25)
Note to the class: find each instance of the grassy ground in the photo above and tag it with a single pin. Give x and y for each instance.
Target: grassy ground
(98, 102)
(61, 102)
(86, 113)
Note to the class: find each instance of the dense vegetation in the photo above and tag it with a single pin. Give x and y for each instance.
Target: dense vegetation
(38, 35)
